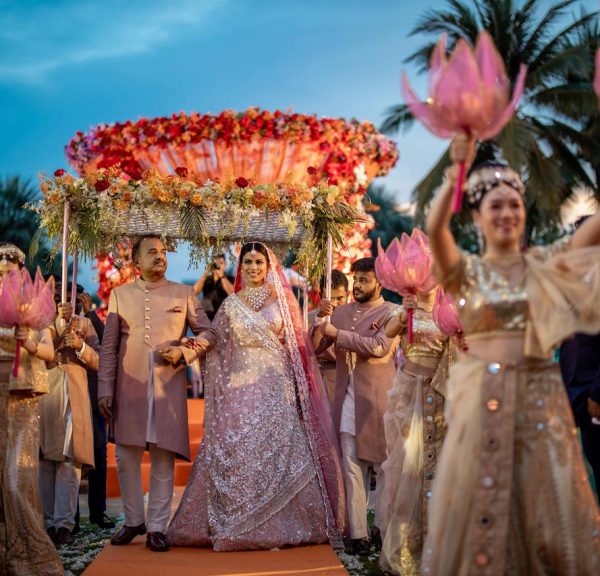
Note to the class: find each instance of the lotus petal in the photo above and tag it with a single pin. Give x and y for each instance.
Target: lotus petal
(445, 314)
(25, 302)
(468, 92)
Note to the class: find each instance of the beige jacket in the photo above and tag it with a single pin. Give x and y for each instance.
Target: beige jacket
(52, 405)
(143, 317)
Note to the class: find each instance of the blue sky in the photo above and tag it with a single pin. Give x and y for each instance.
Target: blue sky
(66, 65)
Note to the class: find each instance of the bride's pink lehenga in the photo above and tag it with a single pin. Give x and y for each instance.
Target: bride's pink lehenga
(267, 474)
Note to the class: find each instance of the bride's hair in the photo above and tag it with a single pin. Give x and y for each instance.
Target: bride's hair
(254, 246)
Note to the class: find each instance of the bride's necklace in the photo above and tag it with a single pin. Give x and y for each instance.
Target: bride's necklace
(257, 296)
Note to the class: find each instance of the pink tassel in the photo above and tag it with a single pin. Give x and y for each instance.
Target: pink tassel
(17, 361)
(458, 191)
(411, 314)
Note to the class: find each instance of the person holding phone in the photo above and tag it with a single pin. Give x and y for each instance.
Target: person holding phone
(215, 285)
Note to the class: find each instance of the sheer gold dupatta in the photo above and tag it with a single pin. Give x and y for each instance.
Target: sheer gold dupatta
(564, 298)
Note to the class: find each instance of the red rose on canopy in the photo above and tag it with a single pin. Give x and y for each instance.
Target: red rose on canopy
(101, 185)
(24, 302)
(181, 171)
(242, 182)
(311, 170)
(60, 172)
(405, 267)
(467, 93)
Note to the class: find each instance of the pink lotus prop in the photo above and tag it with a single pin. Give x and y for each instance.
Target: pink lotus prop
(445, 315)
(24, 302)
(467, 93)
(597, 76)
(405, 268)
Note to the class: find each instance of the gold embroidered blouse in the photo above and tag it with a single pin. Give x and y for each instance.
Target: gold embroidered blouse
(428, 340)
(486, 298)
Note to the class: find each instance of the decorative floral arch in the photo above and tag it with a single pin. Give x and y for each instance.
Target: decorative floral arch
(259, 146)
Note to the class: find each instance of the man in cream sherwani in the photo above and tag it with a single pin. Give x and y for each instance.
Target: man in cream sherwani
(142, 386)
(365, 372)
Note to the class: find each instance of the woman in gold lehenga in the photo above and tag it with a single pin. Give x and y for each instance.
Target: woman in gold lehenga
(414, 430)
(25, 548)
(511, 495)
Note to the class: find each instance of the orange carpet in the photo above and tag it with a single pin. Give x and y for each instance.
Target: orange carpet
(182, 468)
(136, 560)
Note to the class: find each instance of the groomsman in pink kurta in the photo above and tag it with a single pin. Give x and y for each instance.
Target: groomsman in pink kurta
(142, 385)
(365, 371)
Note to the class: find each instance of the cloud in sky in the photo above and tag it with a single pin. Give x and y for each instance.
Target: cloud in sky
(38, 38)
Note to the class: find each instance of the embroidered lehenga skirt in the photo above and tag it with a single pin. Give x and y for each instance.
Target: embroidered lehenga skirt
(511, 495)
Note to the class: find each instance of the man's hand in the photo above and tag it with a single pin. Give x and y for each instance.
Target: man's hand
(86, 303)
(172, 354)
(593, 408)
(105, 406)
(72, 340)
(65, 311)
(325, 308)
(329, 330)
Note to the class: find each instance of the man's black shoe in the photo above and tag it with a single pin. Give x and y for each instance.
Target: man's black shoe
(157, 542)
(103, 521)
(126, 534)
(63, 536)
(361, 547)
(376, 538)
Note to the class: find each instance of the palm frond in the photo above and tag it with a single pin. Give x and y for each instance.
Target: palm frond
(541, 31)
(192, 221)
(397, 118)
(555, 45)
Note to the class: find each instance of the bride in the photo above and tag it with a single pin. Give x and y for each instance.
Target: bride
(267, 474)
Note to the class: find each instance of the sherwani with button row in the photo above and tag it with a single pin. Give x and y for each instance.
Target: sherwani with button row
(150, 395)
(365, 371)
(143, 318)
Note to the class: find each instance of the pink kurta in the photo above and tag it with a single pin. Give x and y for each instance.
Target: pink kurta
(366, 354)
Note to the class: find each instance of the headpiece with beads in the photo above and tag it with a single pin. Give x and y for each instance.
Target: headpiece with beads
(9, 253)
(488, 177)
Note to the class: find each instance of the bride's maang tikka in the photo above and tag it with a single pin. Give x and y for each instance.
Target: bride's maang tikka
(253, 252)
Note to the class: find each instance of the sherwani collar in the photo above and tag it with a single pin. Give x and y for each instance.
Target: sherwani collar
(145, 285)
(370, 304)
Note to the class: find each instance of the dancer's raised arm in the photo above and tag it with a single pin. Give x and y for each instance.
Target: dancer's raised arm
(588, 234)
(443, 245)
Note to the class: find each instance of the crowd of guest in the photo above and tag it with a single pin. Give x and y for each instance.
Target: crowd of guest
(301, 422)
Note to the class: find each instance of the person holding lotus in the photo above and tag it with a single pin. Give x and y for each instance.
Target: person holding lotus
(25, 548)
(414, 420)
(511, 495)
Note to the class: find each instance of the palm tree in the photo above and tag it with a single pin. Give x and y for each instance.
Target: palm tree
(20, 226)
(553, 138)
